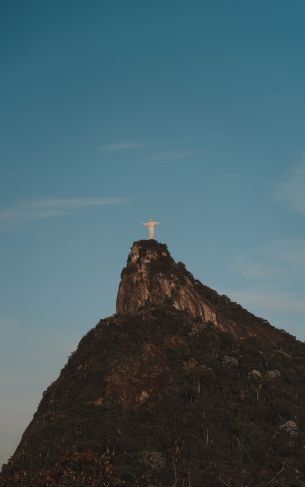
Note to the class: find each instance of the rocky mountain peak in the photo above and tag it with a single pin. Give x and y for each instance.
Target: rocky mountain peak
(152, 279)
(147, 251)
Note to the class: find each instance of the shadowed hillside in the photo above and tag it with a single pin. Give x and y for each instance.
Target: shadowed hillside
(180, 388)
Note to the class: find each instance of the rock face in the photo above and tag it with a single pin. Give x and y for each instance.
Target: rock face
(180, 388)
(152, 278)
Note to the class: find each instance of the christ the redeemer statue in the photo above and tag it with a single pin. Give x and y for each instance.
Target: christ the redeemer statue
(151, 228)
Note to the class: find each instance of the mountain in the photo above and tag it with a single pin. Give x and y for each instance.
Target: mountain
(180, 388)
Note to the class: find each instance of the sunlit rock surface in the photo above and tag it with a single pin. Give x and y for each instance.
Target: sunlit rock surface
(152, 278)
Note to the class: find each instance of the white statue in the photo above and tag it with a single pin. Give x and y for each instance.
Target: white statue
(151, 228)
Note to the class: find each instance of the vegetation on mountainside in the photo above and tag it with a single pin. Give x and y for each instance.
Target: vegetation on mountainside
(159, 399)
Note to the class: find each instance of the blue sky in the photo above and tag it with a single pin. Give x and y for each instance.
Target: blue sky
(115, 112)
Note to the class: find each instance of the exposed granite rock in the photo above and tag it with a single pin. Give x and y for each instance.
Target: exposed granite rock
(273, 374)
(152, 278)
(255, 375)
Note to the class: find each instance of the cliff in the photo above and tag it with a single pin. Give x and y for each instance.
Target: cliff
(152, 278)
(180, 388)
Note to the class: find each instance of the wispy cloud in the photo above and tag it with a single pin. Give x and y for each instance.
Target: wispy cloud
(292, 190)
(50, 207)
(289, 252)
(152, 153)
(270, 301)
(169, 155)
(277, 259)
(256, 270)
(122, 146)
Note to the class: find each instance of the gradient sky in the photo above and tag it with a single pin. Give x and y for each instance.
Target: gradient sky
(113, 112)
